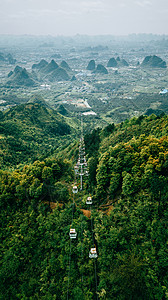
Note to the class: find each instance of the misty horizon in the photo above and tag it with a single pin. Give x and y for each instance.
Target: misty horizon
(96, 17)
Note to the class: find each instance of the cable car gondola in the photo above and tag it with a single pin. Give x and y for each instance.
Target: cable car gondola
(72, 233)
(89, 200)
(93, 253)
(75, 189)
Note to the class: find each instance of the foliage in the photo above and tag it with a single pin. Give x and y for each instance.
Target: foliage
(128, 175)
(36, 182)
(29, 131)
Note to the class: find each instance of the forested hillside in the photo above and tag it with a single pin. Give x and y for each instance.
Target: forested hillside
(128, 182)
(31, 131)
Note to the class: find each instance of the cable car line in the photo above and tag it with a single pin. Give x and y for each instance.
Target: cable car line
(93, 252)
(81, 247)
(72, 235)
(81, 170)
(69, 269)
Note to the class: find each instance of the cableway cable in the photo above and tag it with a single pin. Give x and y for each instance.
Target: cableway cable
(93, 240)
(69, 269)
(81, 170)
(71, 234)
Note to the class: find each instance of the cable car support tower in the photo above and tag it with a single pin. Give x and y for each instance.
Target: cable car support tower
(81, 168)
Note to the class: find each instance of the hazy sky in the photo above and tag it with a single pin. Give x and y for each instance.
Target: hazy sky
(63, 17)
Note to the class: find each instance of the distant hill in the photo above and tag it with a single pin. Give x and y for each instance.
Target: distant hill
(20, 77)
(52, 71)
(59, 74)
(117, 62)
(153, 62)
(16, 70)
(101, 69)
(91, 65)
(52, 66)
(65, 65)
(10, 59)
(7, 58)
(124, 63)
(42, 64)
(112, 62)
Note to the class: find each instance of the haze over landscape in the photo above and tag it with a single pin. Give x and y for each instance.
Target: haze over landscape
(95, 17)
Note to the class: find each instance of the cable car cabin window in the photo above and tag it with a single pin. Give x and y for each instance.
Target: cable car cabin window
(72, 233)
(93, 253)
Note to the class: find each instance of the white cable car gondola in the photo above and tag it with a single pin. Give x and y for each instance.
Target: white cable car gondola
(75, 189)
(93, 253)
(89, 200)
(72, 233)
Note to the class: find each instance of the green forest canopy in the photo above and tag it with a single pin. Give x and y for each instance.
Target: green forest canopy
(128, 167)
